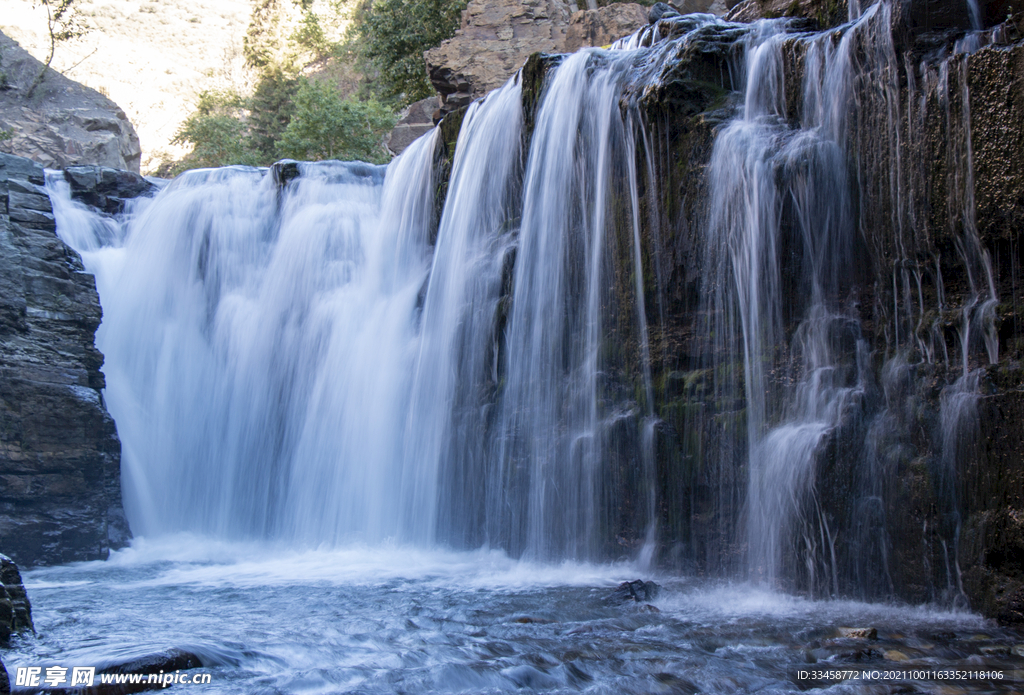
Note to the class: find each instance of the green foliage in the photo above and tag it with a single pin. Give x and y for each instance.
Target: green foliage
(325, 126)
(292, 116)
(310, 35)
(285, 117)
(392, 36)
(64, 23)
(257, 47)
(217, 132)
(270, 110)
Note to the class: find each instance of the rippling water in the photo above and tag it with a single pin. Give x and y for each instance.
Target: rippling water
(399, 620)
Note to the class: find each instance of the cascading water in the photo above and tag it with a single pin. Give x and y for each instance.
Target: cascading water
(777, 187)
(556, 410)
(259, 346)
(303, 365)
(784, 224)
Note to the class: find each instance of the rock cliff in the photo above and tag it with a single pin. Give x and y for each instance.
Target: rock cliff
(916, 496)
(497, 36)
(916, 508)
(60, 494)
(63, 123)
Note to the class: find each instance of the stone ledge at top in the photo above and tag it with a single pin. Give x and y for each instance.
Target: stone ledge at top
(64, 123)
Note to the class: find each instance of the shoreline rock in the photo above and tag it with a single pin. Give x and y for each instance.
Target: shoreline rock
(15, 609)
(60, 485)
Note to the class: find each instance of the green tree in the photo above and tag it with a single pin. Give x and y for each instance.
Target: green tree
(270, 110)
(325, 126)
(63, 22)
(392, 36)
(257, 47)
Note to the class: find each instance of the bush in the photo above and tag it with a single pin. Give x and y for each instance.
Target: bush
(325, 126)
(217, 132)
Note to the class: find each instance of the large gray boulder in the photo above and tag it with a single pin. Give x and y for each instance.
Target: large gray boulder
(416, 120)
(497, 36)
(63, 123)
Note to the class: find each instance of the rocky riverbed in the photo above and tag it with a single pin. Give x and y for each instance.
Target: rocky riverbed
(263, 619)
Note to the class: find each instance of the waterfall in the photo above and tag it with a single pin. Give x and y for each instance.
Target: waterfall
(259, 343)
(556, 413)
(337, 354)
(787, 231)
(774, 188)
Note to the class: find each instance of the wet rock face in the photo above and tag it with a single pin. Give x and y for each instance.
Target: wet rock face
(60, 492)
(15, 609)
(922, 535)
(64, 123)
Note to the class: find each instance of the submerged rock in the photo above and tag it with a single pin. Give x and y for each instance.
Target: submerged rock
(160, 662)
(637, 590)
(869, 633)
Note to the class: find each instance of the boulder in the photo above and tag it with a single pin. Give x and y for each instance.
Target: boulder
(63, 123)
(15, 609)
(416, 120)
(660, 11)
(497, 36)
(60, 489)
(106, 189)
